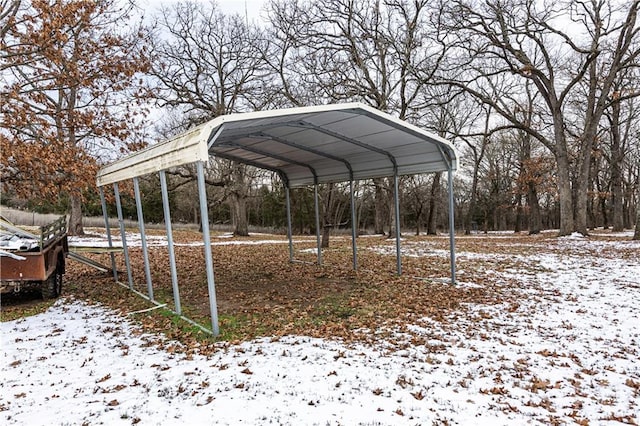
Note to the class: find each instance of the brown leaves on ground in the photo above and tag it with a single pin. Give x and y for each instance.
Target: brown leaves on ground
(260, 293)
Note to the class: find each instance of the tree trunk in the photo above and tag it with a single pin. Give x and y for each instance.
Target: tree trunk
(582, 185)
(239, 215)
(603, 210)
(564, 189)
(391, 208)
(594, 203)
(359, 207)
(75, 218)
(433, 211)
(535, 222)
(239, 193)
(617, 199)
(327, 213)
(502, 219)
(636, 235)
(519, 213)
(472, 200)
(379, 205)
(616, 173)
(326, 233)
(628, 217)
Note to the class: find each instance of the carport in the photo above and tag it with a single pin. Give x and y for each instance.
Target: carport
(304, 146)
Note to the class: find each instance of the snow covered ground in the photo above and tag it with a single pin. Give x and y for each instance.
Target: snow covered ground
(134, 239)
(564, 349)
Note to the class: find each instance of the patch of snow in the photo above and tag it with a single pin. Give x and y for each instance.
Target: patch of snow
(574, 236)
(463, 284)
(313, 250)
(134, 239)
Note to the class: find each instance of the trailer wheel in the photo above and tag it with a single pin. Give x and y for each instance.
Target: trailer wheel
(52, 288)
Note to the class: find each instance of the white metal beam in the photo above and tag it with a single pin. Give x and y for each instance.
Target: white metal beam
(190, 147)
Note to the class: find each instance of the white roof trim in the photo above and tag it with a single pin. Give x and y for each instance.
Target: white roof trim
(317, 144)
(187, 148)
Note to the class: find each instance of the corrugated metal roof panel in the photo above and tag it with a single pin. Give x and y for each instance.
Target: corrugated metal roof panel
(329, 139)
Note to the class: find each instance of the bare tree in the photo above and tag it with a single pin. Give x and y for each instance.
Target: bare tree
(417, 198)
(531, 168)
(477, 146)
(209, 64)
(621, 116)
(528, 40)
(370, 51)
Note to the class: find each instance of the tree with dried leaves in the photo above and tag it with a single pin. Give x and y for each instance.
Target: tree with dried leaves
(70, 82)
(8, 11)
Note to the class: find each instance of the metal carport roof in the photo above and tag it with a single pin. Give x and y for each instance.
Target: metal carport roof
(308, 145)
(305, 146)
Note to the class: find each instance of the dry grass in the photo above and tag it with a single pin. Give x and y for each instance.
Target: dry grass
(26, 218)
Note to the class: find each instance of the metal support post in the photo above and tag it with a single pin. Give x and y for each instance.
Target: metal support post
(143, 237)
(127, 261)
(315, 198)
(172, 255)
(108, 229)
(204, 218)
(354, 227)
(452, 241)
(289, 233)
(396, 200)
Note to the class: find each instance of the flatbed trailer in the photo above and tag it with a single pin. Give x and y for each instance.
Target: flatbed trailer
(29, 261)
